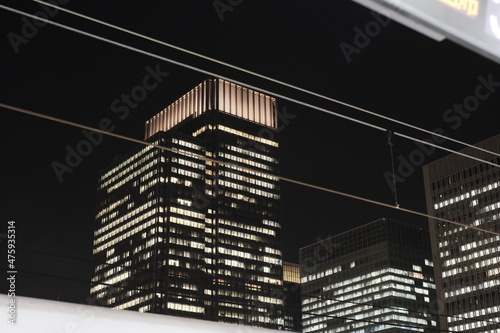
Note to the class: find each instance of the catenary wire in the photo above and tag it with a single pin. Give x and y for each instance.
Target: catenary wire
(283, 97)
(244, 168)
(262, 76)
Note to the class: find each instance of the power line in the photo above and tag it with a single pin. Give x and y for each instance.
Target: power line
(262, 76)
(244, 168)
(242, 83)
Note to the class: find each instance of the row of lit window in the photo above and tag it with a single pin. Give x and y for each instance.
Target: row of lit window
(246, 255)
(244, 161)
(147, 186)
(389, 271)
(186, 144)
(236, 242)
(186, 222)
(247, 179)
(126, 176)
(489, 208)
(112, 206)
(238, 196)
(252, 173)
(248, 227)
(185, 307)
(249, 189)
(187, 173)
(142, 153)
(186, 242)
(106, 226)
(475, 325)
(320, 324)
(476, 313)
(240, 234)
(123, 228)
(352, 292)
(117, 225)
(185, 212)
(469, 289)
(184, 182)
(190, 164)
(251, 153)
(322, 274)
(466, 195)
(271, 223)
(473, 256)
(118, 239)
(247, 136)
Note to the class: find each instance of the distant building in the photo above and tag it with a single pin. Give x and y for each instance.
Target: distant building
(292, 297)
(375, 278)
(179, 234)
(467, 261)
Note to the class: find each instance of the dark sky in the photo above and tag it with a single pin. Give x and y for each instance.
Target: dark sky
(399, 73)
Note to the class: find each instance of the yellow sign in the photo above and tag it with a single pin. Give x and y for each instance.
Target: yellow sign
(469, 7)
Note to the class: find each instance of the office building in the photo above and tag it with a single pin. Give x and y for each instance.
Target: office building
(178, 233)
(467, 261)
(374, 278)
(292, 296)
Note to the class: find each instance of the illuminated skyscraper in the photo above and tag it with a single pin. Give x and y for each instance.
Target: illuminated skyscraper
(179, 234)
(292, 297)
(375, 278)
(467, 261)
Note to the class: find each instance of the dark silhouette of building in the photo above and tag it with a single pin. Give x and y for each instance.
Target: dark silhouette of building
(374, 278)
(467, 261)
(176, 232)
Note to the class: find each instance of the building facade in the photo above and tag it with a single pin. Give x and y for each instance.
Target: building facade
(375, 278)
(467, 261)
(292, 296)
(179, 233)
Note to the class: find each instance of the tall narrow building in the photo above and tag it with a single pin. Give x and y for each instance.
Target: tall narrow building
(374, 278)
(176, 232)
(292, 296)
(467, 261)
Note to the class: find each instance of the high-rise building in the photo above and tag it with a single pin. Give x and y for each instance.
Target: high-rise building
(292, 297)
(178, 233)
(374, 278)
(467, 261)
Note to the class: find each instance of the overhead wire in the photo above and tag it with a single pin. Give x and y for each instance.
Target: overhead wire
(244, 168)
(372, 113)
(283, 97)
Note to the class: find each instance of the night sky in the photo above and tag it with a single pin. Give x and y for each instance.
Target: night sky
(398, 73)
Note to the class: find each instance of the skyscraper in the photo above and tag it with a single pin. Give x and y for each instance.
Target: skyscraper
(180, 234)
(467, 261)
(292, 296)
(374, 278)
